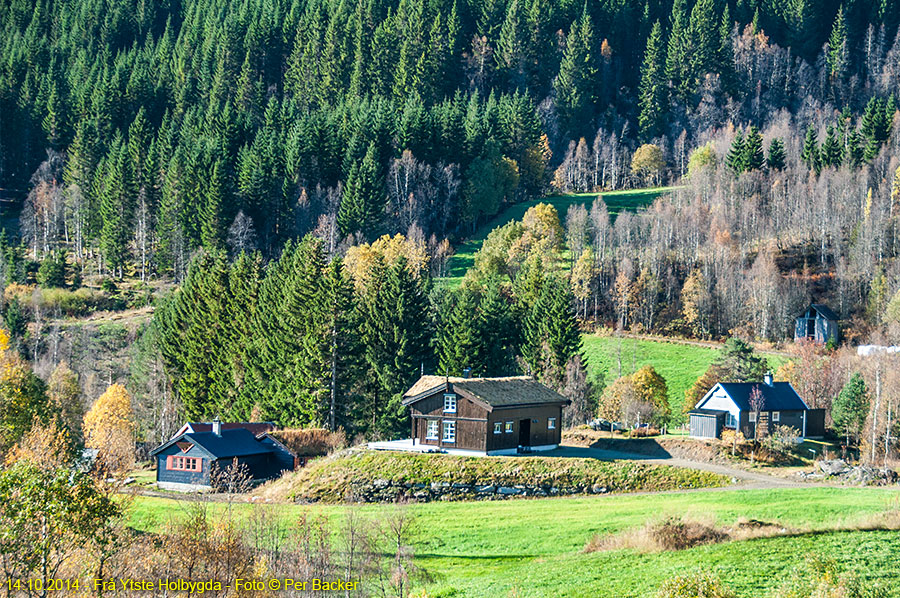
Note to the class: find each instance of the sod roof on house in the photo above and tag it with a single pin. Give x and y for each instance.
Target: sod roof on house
(493, 392)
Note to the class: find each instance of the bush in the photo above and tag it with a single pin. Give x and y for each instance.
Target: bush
(674, 533)
(782, 439)
(696, 585)
(644, 432)
(822, 578)
(52, 271)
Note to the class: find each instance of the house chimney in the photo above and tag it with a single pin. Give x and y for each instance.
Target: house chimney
(217, 426)
(768, 378)
(467, 373)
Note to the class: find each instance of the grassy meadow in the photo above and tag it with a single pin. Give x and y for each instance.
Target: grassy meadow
(616, 201)
(534, 548)
(679, 363)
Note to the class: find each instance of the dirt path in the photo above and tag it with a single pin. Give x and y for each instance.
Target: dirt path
(126, 316)
(746, 479)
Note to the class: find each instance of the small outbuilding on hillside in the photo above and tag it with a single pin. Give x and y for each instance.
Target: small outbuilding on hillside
(817, 324)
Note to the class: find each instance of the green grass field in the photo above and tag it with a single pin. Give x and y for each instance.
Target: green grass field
(534, 547)
(616, 201)
(680, 364)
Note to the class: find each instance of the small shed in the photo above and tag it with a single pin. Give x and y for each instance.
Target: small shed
(707, 423)
(818, 324)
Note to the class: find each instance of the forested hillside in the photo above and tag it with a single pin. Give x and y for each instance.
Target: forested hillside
(303, 170)
(171, 125)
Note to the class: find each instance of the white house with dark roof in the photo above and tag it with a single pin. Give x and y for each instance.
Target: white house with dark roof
(728, 405)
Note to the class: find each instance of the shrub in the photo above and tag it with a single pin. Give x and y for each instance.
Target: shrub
(680, 534)
(672, 533)
(822, 578)
(695, 585)
(782, 439)
(52, 271)
(644, 432)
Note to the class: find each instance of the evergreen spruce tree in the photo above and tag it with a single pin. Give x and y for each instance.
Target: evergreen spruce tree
(397, 343)
(725, 53)
(810, 155)
(736, 158)
(345, 352)
(190, 327)
(292, 351)
(705, 42)
(855, 152)
(362, 205)
(837, 57)
(577, 73)
(459, 343)
(117, 193)
(678, 53)
(776, 157)
(499, 331)
(551, 334)
(511, 50)
(851, 407)
(652, 90)
(832, 150)
(754, 158)
(212, 219)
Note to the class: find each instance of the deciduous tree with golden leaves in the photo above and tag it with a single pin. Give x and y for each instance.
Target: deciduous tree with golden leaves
(109, 428)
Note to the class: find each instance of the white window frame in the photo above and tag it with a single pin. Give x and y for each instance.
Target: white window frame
(776, 416)
(731, 421)
(432, 434)
(449, 403)
(551, 423)
(509, 427)
(752, 417)
(449, 431)
(498, 427)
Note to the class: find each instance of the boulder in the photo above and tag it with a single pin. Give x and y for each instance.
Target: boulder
(832, 467)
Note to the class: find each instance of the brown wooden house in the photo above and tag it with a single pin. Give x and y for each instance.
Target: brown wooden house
(490, 416)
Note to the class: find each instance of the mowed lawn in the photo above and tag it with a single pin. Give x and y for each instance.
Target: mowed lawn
(616, 201)
(679, 363)
(533, 548)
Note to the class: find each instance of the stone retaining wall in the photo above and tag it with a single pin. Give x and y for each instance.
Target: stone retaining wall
(381, 490)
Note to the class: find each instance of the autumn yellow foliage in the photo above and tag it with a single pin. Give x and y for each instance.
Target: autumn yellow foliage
(109, 428)
(47, 446)
(361, 258)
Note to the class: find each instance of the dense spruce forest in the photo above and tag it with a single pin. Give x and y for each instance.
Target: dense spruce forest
(304, 169)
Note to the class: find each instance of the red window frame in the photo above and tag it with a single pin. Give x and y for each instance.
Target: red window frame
(179, 463)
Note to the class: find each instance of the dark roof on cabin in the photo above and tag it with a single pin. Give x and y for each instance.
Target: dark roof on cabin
(715, 412)
(492, 392)
(823, 310)
(781, 396)
(238, 442)
(256, 428)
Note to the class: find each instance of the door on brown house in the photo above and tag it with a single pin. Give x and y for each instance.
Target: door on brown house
(525, 432)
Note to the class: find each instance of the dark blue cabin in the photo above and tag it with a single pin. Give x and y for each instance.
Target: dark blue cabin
(184, 462)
